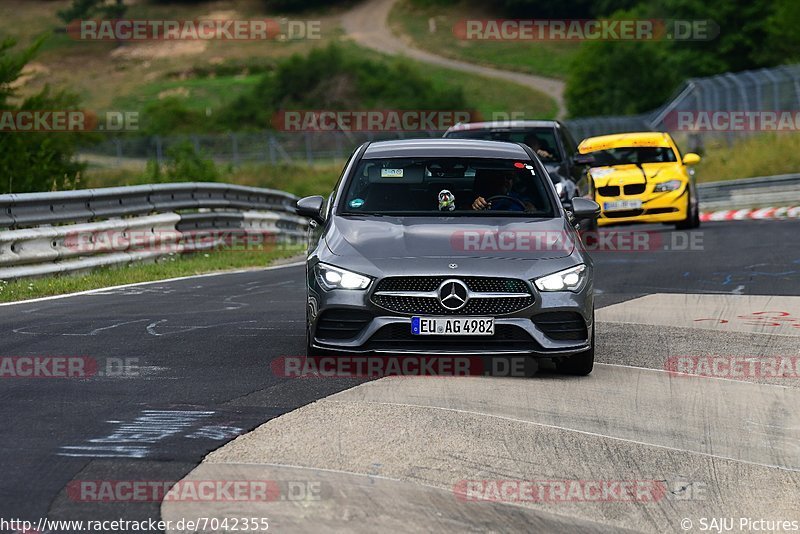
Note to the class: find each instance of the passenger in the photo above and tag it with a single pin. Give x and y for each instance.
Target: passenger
(532, 140)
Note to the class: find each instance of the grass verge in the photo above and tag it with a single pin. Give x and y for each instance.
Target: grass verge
(168, 267)
(546, 58)
(763, 154)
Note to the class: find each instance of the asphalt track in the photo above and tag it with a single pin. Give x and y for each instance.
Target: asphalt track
(393, 453)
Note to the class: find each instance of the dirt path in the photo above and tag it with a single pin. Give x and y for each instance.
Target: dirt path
(367, 24)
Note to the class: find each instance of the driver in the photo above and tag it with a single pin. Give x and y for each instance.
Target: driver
(503, 184)
(532, 140)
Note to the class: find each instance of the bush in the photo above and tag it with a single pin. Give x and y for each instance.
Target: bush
(329, 78)
(171, 116)
(185, 165)
(611, 78)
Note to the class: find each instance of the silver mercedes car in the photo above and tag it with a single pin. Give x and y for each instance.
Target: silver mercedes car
(449, 246)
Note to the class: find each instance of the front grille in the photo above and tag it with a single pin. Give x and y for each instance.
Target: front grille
(506, 337)
(562, 326)
(431, 283)
(609, 191)
(342, 324)
(634, 189)
(475, 306)
(656, 211)
(622, 213)
(414, 304)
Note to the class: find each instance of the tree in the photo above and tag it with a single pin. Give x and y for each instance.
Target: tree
(34, 161)
(619, 77)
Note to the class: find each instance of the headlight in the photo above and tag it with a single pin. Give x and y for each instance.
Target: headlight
(331, 277)
(672, 185)
(567, 280)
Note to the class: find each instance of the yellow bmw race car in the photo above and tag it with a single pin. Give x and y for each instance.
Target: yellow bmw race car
(641, 178)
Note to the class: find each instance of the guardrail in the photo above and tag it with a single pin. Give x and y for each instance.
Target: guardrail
(764, 191)
(72, 231)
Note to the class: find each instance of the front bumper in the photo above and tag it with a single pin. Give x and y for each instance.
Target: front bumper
(668, 207)
(535, 330)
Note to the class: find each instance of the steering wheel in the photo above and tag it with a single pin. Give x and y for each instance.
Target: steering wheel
(506, 197)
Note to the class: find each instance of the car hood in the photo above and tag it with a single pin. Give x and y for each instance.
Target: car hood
(450, 237)
(632, 174)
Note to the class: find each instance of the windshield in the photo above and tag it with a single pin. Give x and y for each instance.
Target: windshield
(541, 140)
(447, 186)
(633, 156)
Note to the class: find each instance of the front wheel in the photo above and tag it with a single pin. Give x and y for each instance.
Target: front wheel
(692, 220)
(580, 364)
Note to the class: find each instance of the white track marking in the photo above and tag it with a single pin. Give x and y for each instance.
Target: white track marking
(99, 290)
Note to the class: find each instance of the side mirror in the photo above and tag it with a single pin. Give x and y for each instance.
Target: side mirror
(583, 208)
(583, 159)
(311, 207)
(691, 159)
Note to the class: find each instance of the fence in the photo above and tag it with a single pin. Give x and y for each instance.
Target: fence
(63, 232)
(267, 147)
(765, 191)
(776, 89)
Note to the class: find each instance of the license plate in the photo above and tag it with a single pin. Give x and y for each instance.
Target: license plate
(452, 326)
(622, 205)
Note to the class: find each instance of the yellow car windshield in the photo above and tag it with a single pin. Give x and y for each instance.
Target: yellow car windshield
(633, 156)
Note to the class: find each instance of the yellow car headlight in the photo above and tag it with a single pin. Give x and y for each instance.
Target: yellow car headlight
(672, 185)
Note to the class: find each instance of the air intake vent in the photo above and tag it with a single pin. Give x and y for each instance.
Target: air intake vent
(342, 324)
(608, 191)
(634, 189)
(562, 326)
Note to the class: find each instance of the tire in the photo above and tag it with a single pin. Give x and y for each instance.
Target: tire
(692, 220)
(588, 230)
(580, 364)
(312, 352)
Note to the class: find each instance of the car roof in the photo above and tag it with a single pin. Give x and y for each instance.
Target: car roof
(633, 139)
(438, 147)
(503, 125)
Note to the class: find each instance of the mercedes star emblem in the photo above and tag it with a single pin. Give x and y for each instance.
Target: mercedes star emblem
(453, 294)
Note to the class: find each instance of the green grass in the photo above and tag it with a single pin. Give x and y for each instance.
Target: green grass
(759, 155)
(485, 95)
(546, 58)
(169, 267)
(111, 77)
(489, 96)
(199, 94)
